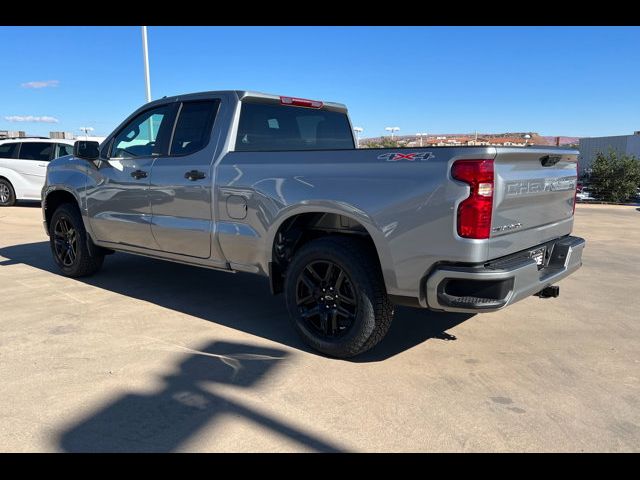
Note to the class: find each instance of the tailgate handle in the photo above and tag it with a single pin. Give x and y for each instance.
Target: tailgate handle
(550, 160)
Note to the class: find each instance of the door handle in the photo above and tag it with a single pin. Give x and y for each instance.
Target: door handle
(138, 174)
(194, 175)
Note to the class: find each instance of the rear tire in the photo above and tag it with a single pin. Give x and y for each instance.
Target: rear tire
(68, 241)
(7, 193)
(336, 297)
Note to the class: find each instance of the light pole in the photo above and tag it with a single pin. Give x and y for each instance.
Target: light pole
(358, 131)
(392, 130)
(420, 135)
(86, 131)
(527, 137)
(145, 56)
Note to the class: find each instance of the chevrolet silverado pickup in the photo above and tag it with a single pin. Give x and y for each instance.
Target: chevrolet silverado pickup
(249, 182)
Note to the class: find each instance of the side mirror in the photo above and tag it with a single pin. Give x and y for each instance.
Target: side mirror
(85, 149)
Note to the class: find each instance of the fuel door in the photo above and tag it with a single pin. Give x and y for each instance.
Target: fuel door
(236, 207)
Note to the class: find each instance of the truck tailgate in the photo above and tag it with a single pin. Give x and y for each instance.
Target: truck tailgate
(534, 195)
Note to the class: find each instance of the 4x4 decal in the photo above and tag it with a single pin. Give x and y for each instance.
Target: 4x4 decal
(411, 157)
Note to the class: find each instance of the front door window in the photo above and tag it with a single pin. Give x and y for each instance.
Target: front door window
(144, 135)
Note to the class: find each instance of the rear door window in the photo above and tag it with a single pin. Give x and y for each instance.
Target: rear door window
(193, 127)
(268, 127)
(40, 151)
(7, 150)
(63, 149)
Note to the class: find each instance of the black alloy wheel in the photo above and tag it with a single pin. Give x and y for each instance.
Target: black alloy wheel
(65, 241)
(336, 296)
(326, 299)
(69, 243)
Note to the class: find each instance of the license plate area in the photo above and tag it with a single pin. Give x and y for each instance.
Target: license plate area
(539, 256)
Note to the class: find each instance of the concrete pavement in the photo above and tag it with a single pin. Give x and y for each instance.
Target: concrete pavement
(154, 356)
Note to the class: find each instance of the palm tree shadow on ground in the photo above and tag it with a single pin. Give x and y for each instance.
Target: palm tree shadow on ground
(164, 420)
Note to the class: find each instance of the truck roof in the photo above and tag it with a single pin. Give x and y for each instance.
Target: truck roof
(250, 94)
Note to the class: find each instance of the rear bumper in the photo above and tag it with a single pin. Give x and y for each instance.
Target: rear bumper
(494, 285)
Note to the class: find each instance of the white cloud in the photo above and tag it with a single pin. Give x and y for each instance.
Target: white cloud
(41, 84)
(31, 118)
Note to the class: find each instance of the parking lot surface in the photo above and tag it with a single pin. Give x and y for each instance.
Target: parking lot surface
(155, 356)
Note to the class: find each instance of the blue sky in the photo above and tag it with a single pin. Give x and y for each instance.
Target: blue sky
(574, 81)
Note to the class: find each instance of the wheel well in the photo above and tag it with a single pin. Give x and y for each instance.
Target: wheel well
(54, 200)
(301, 229)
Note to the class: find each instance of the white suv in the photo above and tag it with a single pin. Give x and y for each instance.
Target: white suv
(23, 166)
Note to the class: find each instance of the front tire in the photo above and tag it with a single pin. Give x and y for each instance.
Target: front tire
(68, 241)
(7, 193)
(336, 297)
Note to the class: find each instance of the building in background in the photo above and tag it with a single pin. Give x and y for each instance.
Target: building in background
(11, 133)
(504, 139)
(621, 144)
(65, 135)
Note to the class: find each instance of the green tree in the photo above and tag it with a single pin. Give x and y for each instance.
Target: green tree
(388, 143)
(614, 177)
(384, 142)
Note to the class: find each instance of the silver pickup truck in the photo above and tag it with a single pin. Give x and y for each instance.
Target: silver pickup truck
(248, 182)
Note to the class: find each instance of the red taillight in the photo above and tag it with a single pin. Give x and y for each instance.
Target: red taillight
(300, 102)
(474, 213)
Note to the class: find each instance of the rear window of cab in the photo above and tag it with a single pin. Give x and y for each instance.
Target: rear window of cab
(267, 127)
